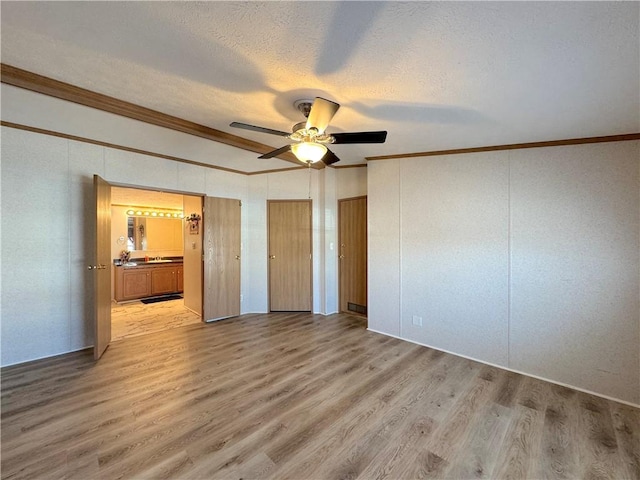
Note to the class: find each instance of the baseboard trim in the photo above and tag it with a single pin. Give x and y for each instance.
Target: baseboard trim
(23, 363)
(502, 367)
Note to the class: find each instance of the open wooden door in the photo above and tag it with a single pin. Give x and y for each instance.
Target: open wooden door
(102, 267)
(352, 233)
(221, 246)
(290, 242)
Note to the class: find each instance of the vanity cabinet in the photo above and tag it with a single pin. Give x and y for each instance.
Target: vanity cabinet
(136, 283)
(163, 280)
(147, 280)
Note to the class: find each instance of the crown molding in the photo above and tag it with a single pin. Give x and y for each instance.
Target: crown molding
(54, 88)
(52, 133)
(513, 146)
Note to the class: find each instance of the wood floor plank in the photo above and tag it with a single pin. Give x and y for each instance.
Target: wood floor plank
(599, 447)
(250, 414)
(403, 441)
(175, 466)
(625, 422)
(196, 424)
(350, 443)
(478, 452)
(299, 396)
(132, 398)
(561, 436)
(302, 421)
(415, 459)
(454, 428)
(520, 449)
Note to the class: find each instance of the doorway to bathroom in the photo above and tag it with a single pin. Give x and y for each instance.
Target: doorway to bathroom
(135, 318)
(156, 247)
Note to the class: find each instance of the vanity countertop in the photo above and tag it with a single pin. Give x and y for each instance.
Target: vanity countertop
(141, 262)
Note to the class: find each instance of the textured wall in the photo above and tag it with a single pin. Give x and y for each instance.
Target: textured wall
(526, 259)
(383, 231)
(455, 253)
(574, 267)
(351, 182)
(47, 295)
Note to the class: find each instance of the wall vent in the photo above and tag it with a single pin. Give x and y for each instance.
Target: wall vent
(354, 307)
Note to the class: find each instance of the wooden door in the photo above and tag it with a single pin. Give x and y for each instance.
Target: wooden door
(290, 241)
(222, 242)
(352, 234)
(102, 267)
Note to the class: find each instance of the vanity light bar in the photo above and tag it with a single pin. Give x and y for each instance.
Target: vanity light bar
(165, 213)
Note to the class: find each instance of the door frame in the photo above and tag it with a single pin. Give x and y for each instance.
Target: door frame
(287, 200)
(177, 192)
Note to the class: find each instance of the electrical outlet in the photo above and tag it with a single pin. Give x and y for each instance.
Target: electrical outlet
(417, 321)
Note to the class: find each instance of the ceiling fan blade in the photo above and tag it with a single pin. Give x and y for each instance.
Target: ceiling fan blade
(322, 111)
(246, 126)
(330, 158)
(360, 137)
(275, 153)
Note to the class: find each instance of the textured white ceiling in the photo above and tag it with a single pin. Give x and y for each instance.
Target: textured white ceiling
(435, 75)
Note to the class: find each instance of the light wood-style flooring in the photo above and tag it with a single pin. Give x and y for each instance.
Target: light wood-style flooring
(300, 396)
(136, 318)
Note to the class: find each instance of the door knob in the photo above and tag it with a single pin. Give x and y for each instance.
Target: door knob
(237, 257)
(272, 257)
(341, 257)
(97, 267)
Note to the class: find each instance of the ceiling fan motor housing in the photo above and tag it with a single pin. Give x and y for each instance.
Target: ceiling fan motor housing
(299, 126)
(304, 106)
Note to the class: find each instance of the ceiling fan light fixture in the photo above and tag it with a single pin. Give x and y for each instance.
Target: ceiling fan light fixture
(309, 151)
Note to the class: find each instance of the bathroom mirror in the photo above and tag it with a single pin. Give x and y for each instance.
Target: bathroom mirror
(153, 233)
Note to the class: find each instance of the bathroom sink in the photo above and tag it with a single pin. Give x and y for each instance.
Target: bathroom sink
(159, 261)
(130, 264)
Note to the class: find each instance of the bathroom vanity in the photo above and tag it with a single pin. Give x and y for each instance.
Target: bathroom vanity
(148, 279)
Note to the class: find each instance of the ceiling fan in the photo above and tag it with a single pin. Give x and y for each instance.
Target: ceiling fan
(310, 137)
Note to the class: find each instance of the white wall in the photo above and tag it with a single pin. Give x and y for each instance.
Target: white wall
(351, 182)
(574, 267)
(526, 259)
(383, 249)
(47, 296)
(294, 185)
(454, 219)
